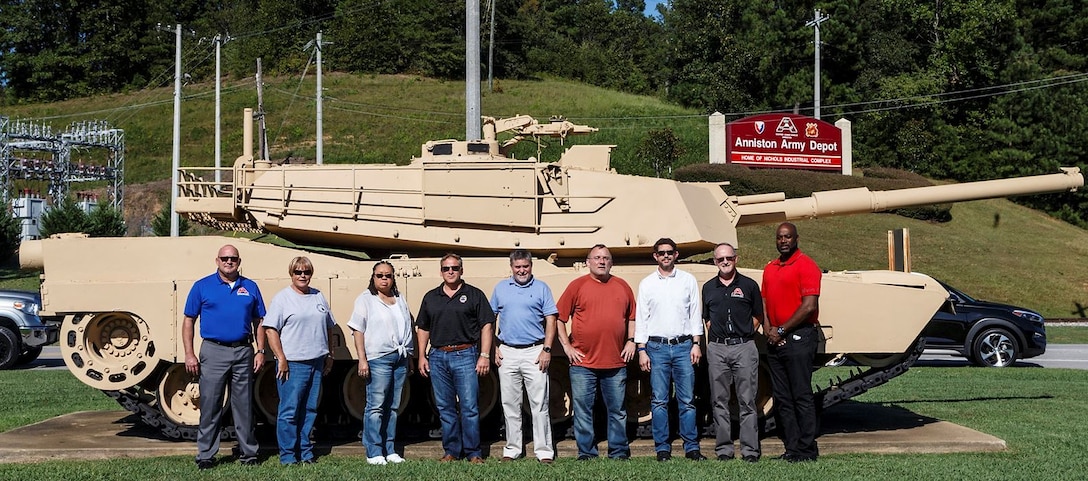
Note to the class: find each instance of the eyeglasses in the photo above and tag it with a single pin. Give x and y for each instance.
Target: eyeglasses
(719, 260)
(304, 273)
(234, 259)
(383, 276)
(451, 268)
(669, 252)
(599, 258)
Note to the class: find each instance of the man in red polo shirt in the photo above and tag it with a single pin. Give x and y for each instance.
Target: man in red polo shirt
(791, 292)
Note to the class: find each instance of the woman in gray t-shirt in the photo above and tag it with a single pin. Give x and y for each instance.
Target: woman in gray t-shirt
(298, 325)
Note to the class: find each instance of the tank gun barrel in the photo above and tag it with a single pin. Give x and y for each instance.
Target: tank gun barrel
(765, 209)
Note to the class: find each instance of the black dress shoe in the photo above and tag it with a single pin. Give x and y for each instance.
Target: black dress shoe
(784, 457)
(203, 464)
(249, 462)
(695, 455)
(801, 459)
(664, 456)
(308, 461)
(585, 457)
(751, 459)
(725, 457)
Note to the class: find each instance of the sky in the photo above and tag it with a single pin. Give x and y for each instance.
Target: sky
(651, 7)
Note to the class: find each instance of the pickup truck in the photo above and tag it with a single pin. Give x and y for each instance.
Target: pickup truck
(22, 331)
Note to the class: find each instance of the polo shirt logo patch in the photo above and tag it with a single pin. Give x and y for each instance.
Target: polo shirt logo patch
(737, 292)
(242, 291)
(321, 308)
(463, 298)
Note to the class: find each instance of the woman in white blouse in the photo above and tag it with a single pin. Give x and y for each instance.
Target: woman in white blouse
(382, 328)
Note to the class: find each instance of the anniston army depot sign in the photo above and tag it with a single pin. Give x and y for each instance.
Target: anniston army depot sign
(784, 141)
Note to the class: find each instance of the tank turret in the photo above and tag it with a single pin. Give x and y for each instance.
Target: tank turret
(469, 197)
(121, 322)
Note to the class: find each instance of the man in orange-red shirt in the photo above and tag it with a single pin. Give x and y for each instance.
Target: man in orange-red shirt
(598, 311)
(791, 292)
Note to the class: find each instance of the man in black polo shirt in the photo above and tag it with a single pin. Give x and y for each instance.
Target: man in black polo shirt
(733, 310)
(454, 317)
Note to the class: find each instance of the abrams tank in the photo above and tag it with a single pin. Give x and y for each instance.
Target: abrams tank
(122, 299)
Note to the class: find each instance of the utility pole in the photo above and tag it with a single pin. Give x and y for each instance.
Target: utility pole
(472, 70)
(260, 113)
(816, 84)
(491, 52)
(318, 44)
(218, 113)
(176, 164)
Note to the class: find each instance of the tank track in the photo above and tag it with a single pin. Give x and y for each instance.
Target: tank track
(150, 414)
(839, 390)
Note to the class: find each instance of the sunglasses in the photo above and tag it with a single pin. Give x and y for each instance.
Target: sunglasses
(303, 273)
(719, 260)
(451, 268)
(669, 252)
(234, 259)
(383, 276)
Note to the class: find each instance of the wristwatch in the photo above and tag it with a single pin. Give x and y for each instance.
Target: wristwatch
(262, 351)
(547, 349)
(485, 355)
(781, 331)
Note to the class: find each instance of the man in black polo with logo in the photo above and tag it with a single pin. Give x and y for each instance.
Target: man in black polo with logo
(454, 317)
(733, 311)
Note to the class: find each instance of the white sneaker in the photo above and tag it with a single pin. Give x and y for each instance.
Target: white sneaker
(394, 458)
(376, 460)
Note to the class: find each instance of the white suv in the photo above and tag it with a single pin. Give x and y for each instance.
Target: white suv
(22, 332)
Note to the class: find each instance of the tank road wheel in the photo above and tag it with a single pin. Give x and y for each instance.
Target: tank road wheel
(487, 397)
(638, 394)
(560, 404)
(877, 360)
(353, 393)
(994, 347)
(179, 397)
(267, 393)
(108, 350)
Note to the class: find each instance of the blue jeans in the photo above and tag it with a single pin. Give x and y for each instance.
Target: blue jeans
(298, 409)
(613, 384)
(453, 378)
(670, 367)
(383, 391)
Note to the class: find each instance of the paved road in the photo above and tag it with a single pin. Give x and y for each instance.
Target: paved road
(1072, 356)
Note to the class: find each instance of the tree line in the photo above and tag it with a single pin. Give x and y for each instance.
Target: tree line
(956, 89)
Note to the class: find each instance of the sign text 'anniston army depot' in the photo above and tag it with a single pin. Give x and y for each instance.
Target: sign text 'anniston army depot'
(784, 141)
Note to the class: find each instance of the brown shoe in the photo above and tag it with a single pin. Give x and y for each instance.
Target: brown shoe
(506, 459)
(447, 458)
(476, 460)
(546, 461)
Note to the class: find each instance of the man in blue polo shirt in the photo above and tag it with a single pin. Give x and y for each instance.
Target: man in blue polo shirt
(229, 307)
(526, 329)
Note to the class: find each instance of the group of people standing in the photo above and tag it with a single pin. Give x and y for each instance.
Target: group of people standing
(459, 333)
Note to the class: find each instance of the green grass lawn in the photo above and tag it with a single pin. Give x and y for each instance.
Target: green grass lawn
(1040, 413)
(1066, 334)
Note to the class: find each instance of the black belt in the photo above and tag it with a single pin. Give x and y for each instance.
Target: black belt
(730, 341)
(523, 346)
(244, 342)
(672, 341)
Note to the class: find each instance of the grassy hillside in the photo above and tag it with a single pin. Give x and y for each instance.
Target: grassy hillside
(366, 119)
(1022, 257)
